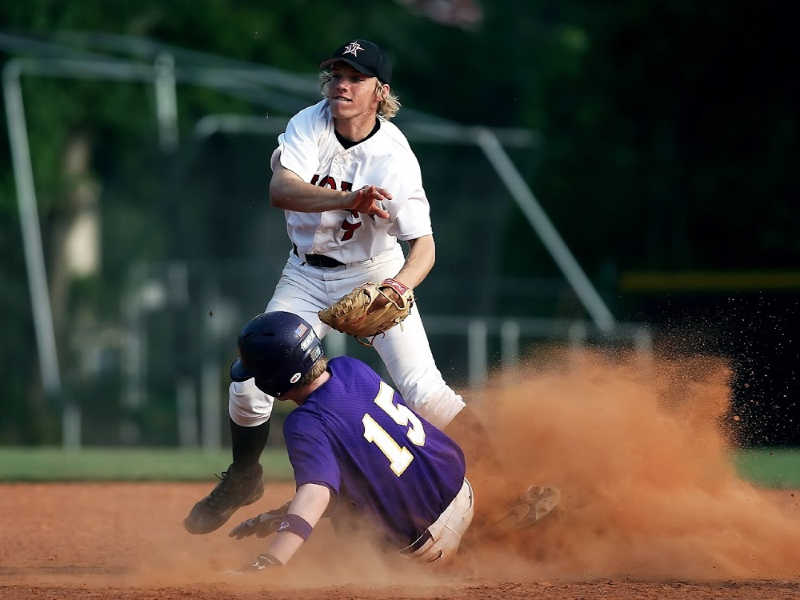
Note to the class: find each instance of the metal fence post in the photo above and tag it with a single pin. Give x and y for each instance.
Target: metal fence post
(211, 405)
(509, 348)
(34, 255)
(477, 333)
(544, 228)
(166, 102)
(187, 413)
(509, 344)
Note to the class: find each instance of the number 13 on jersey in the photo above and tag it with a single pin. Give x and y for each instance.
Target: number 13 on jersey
(399, 456)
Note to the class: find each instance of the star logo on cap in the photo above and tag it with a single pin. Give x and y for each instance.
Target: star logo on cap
(352, 48)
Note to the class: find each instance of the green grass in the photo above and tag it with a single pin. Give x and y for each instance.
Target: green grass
(126, 464)
(779, 468)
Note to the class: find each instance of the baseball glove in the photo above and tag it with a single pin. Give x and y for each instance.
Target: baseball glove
(369, 310)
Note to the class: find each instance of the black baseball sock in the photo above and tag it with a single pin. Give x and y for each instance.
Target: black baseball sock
(247, 443)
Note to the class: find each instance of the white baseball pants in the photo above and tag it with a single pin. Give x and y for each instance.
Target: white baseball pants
(305, 290)
(446, 532)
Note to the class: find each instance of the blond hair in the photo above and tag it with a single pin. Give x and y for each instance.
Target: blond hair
(317, 369)
(388, 105)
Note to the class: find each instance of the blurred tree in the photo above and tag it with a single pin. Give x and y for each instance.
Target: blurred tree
(669, 131)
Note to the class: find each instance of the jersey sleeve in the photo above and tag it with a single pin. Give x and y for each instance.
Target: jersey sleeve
(310, 451)
(412, 213)
(298, 144)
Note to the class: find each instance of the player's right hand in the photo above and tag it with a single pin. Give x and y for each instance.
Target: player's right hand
(368, 200)
(261, 562)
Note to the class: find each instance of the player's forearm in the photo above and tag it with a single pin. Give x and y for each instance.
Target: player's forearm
(293, 194)
(284, 545)
(309, 503)
(419, 262)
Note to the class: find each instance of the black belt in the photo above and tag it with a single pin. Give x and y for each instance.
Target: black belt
(319, 260)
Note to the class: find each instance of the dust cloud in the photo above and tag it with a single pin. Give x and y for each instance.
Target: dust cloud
(641, 454)
(637, 447)
(643, 460)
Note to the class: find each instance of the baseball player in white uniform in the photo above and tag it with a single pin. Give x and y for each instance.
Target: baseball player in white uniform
(351, 190)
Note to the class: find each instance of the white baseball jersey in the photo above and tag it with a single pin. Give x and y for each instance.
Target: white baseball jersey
(310, 149)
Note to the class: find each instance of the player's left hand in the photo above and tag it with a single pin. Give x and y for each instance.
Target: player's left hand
(261, 525)
(389, 295)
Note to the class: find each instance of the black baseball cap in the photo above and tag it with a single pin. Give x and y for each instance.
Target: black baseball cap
(365, 57)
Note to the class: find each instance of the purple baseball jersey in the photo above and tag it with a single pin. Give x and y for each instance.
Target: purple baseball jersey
(356, 436)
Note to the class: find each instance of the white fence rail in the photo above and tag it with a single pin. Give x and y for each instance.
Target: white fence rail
(477, 332)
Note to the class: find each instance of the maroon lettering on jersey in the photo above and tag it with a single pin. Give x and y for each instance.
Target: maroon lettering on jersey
(329, 181)
(350, 226)
(349, 229)
(347, 186)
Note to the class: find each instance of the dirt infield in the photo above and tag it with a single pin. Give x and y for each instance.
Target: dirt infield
(652, 508)
(125, 541)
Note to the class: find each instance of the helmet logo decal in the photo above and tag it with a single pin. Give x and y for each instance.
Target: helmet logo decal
(352, 48)
(295, 378)
(304, 345)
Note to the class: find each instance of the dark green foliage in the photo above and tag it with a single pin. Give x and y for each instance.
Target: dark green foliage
(669, 131)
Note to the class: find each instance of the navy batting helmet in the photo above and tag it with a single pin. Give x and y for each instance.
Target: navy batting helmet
(277, 349)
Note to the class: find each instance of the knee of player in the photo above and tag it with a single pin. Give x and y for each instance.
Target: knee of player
(439, 409)
(428, 391)
(247, 405)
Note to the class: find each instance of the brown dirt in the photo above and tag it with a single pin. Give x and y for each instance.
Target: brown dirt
(652, 509)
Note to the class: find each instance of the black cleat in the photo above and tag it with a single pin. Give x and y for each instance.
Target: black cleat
(237, 487)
